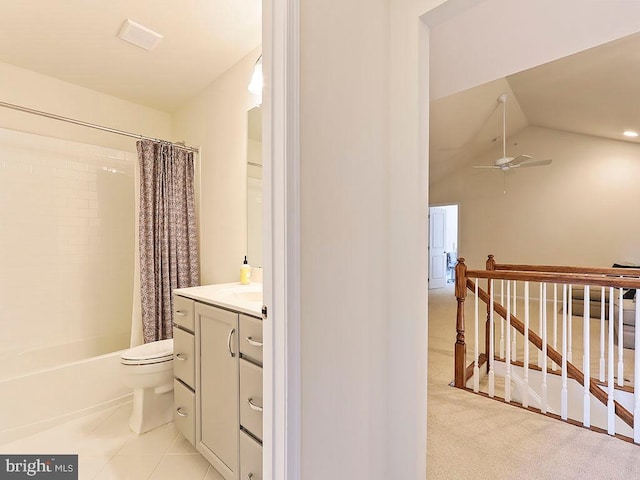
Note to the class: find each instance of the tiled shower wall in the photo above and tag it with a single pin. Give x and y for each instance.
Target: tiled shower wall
(66, 251)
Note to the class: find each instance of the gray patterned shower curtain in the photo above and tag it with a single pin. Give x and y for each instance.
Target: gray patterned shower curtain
(167, 230)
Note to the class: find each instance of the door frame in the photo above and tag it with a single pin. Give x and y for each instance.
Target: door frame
(281, 237)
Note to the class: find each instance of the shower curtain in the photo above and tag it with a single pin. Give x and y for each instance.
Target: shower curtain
(168, 249)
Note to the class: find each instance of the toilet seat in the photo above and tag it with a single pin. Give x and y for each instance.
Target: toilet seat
(149, 353)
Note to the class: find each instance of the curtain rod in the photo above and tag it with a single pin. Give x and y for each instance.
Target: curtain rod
(91, 125)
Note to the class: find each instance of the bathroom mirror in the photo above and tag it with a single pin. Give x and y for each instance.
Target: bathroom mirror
(254, 186)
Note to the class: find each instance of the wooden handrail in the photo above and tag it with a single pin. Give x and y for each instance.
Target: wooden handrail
(547, 277)
(614, 271)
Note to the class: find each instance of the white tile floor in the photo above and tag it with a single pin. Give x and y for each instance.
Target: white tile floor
(108, 450)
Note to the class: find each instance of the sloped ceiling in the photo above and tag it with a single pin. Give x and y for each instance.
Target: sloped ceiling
(76, 41)
(595, 92)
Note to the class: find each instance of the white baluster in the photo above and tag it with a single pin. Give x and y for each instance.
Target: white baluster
(502, 320)
(636, 377)
(570, 326)
(586, 420)
(543, 388)
(476, 356)
(611, 415)
(620, 340)
(492, 342)
(513, 330)
(554, 367)
(525, 393)
(563, 391)
(507, 375)
(602, 315)
(542, 307)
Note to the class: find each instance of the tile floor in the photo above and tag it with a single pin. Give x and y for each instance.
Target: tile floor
(108, 450)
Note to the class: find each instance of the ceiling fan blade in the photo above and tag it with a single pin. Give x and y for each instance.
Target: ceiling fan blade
(492, 167)
(534, 163)
(520, 159)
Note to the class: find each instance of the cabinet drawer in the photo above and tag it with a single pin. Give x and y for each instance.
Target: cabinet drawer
(184, 413)
(251, 398)
(250, 458)
(184, 356)
(251, 338)
(183, 312)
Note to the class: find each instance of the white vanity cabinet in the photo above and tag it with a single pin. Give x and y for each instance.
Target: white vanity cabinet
(224, 420)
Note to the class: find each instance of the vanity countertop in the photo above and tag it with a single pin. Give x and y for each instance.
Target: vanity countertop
(233, 296)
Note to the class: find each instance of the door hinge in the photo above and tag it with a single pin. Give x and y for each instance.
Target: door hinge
(264, 312)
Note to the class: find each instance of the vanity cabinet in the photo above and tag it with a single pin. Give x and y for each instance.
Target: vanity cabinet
(218, 381)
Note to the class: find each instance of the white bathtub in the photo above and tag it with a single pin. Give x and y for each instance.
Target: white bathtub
(36, 401)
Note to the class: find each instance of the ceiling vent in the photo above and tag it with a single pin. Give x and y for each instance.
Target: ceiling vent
(139, 35)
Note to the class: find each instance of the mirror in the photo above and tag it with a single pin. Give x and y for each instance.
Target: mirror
(254, 187)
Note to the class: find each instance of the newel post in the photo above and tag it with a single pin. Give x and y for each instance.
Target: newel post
(490, 266)
(461, 347)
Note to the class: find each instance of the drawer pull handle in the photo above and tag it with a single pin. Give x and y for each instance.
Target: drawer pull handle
(253, 406)
(253, 343)
(250, 476)
(181, 413)
(231, 332)
(180, 313)
(181, 356)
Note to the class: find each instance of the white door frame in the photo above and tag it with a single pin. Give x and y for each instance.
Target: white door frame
(281, 224)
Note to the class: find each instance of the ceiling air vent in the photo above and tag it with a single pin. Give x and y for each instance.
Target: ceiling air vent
(139, 35)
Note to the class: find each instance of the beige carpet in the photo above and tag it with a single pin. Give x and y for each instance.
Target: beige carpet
(470, 437)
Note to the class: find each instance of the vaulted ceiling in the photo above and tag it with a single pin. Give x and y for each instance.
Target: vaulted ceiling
(595, 92)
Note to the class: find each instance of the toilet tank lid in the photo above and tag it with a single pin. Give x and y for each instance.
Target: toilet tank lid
(161, 348)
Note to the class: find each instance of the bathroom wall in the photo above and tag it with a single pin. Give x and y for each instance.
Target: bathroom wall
(66, 251)
(33, 90)
(37, 171)
(216, 120)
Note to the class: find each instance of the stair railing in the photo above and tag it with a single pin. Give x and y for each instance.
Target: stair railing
(609, 280)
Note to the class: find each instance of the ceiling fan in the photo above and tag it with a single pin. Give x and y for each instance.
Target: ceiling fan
(507, 163)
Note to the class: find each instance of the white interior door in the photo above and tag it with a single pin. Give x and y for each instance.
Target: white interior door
(437, 254)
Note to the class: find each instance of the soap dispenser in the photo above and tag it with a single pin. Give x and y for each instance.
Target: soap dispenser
(245, 272)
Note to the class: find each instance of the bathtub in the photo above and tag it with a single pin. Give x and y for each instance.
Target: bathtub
(33, 402)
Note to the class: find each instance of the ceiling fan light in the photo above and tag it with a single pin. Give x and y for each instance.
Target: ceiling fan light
(630, 133)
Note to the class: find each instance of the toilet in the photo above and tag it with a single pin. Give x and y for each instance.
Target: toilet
(148, 369)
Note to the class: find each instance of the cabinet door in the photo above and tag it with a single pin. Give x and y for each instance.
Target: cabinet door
(217, 388)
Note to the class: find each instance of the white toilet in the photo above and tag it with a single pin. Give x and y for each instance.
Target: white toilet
(148, 369)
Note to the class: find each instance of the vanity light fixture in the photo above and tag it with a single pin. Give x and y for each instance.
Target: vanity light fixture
(257, 81)
(630, 133)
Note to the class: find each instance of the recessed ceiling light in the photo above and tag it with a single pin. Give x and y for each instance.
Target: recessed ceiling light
(630, 133)
(139, 35)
